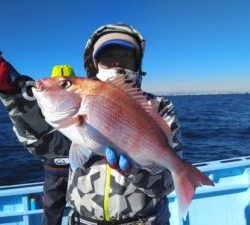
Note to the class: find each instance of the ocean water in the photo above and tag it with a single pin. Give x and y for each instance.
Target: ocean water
(213, 127)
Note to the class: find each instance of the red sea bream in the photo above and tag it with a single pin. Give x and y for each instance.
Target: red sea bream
(95, 114)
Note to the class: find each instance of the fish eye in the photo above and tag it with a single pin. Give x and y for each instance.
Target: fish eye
(64, 83)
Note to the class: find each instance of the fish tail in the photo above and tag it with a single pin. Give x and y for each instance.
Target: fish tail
(185, 182)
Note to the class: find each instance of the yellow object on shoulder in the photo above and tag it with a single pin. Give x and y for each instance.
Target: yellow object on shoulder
(62, 70)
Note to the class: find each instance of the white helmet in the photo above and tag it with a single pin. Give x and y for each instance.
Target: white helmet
(121, 34)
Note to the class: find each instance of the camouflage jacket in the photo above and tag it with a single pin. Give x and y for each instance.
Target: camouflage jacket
(98, 192)
(30, 127)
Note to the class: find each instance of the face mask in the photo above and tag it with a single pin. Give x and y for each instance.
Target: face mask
(111, 74)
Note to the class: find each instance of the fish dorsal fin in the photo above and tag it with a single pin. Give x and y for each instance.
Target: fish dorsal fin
(125, 84)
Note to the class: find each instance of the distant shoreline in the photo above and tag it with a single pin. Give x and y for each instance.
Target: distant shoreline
(199, 93)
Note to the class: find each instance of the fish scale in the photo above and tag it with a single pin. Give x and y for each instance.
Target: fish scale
(129, 122)
(112, 126)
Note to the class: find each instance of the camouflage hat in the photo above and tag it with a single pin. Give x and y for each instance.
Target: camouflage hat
(121, 34)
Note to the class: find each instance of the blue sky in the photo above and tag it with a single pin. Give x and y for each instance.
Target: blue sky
(195, 45)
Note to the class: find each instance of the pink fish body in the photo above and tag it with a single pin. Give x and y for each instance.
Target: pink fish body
(97, 114)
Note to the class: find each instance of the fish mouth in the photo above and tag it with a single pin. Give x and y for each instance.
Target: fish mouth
(39, 86)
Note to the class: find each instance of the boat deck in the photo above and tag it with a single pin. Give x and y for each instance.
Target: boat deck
(227, 203)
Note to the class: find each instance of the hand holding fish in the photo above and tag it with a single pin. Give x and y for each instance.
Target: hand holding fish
(115, 161)
(4, 75)
(7, 76)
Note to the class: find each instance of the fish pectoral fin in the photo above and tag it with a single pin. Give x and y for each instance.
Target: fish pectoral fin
(78, 156)
(79, 119)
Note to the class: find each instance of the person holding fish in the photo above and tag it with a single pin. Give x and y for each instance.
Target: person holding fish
(35, 134)
(113, 190)
(108, 115)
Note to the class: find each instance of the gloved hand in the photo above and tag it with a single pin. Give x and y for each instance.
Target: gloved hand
(117, 162)
(6, 84)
